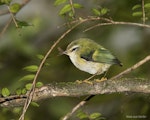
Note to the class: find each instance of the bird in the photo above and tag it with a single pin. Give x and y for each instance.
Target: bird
(90, 57)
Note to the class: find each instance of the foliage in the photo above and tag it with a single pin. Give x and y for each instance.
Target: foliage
(4, 2)
(27, 77)
(67, 9)
(93, 116)
(15, 7)
(137, 10)
(21, 24)
(31, 68)
(5, 92)
(100, 12)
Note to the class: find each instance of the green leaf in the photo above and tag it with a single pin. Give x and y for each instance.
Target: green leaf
(76, 5)
(137, 14)
(46, 64)
(35, 104)
(70, 14)
(17, 110)
(14, 8)
(39, 84)
(28, 86)
(39, 56)
(147, 5)
(31, 68)
(96, 12)
(5, 92)
(27, 77)
(104, 11)
(22, 23)
(5, 2)
(136, 6)
(93, 116)
(59, 2)
(82, 115)
(23, 91)
(67, 8)
(18, 91)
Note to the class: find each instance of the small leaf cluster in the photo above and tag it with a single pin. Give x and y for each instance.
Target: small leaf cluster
(21, 24)
(137, 10)
(93, 116)
(31, 69)
(101, 11)
(14, 8)
(2, 2)
(66, 10)
(5, 92)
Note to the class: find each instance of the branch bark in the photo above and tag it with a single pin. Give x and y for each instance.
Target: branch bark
(74, 89)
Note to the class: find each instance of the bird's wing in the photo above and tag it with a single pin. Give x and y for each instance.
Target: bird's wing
(102, 55)
(87, 55)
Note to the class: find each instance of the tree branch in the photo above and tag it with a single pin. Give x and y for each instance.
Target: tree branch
(74, 89)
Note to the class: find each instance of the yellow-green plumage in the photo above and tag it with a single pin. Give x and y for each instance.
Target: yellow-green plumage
(90, 57)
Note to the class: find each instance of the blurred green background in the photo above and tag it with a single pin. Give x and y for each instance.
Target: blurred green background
(19, 47)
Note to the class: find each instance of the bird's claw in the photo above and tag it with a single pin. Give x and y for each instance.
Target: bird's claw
(84, 81)
(102, 79)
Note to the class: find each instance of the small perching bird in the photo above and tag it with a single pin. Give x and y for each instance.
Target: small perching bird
(90, 56)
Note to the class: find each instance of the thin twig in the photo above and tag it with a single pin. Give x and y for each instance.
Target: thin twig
(143, 12)
(5, 27)
(7, 11)
(117, 23)
(105, 22)
(79, 105)
(13, 17)
(72, 8)
(132, 68)
(31, 93)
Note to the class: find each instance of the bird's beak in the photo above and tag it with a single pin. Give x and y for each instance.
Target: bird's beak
(61, 51)
(64, 52)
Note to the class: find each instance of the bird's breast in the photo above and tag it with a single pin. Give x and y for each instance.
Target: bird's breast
(89, 66)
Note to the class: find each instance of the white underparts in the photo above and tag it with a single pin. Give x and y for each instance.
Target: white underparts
(88, 66)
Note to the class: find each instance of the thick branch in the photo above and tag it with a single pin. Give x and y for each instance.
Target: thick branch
(81, 89)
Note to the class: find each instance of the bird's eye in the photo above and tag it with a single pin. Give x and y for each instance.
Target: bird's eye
(73, 49)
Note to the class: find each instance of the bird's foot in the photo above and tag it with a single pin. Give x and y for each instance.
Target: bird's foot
(102, 79)
(88, 81)
(79, 81)
(84, 81)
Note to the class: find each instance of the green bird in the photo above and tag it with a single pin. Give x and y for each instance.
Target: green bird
(90, 56)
